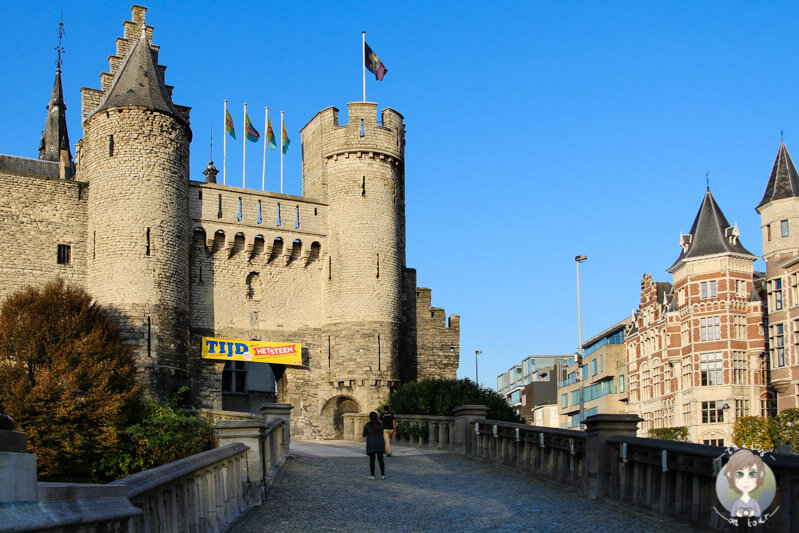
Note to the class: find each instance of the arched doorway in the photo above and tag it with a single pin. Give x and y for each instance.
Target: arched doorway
(331, 418)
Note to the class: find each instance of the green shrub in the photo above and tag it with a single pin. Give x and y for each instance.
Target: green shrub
(785, 428)
(677, 433)
(753, 432)
(440, 397)
(164, 434)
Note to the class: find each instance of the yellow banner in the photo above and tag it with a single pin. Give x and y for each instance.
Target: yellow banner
(282, 353)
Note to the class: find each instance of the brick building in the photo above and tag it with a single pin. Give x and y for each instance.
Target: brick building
(178, 259)
(696, 350)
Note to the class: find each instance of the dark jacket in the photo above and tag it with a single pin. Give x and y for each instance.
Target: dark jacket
(374, 438)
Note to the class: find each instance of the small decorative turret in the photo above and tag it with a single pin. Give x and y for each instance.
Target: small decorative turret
(210, 173)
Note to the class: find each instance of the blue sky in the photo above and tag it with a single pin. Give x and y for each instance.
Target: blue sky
(536, 131)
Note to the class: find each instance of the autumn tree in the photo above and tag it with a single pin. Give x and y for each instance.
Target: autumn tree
(67, 379)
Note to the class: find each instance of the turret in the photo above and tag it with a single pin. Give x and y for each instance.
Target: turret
(779, 210)
(55, 139)
(135, 155)
(358, 169)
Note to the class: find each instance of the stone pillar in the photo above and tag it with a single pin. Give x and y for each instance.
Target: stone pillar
(17, 469)
(464, 414)
(283, 412)
(598, 456)
(251, 434)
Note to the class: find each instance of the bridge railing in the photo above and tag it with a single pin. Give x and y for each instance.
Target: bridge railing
(204, 493)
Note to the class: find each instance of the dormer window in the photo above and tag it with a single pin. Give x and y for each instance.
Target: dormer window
(685, 241)
(732, 234)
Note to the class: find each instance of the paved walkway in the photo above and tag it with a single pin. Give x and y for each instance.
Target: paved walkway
(325, 488)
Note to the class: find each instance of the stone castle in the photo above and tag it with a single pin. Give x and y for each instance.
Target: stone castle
(177, 260)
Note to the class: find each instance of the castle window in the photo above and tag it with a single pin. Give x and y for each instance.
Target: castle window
(361, 127)
(278, 213)
(314, 211)
(200, 195)
(219, 213)
(149, 337)
(329, 355)
(768, 232)
(363, 187)
(259, 211)
(784, 228)
(234, 377)
(379, 351)
(297, 221)
(329, 268)
(147, 251)
(378, 266)
(239, 215)
(254, 286)
(110, 146)
(94, 245)
(64, 254)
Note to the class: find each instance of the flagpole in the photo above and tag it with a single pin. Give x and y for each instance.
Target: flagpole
(266, 141)
(224, 144)
(244, 150)
(363, 62)
(281, 151)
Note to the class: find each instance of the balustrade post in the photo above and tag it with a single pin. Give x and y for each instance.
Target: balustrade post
(464, 433)
(251, 433)
(283, 412)
(598, 452)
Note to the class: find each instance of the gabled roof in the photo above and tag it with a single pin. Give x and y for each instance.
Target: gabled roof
(54, 137)
(710, 234)
(783, 181)
(139, 83)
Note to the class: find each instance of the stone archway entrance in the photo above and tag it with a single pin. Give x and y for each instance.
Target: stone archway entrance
(331, 419)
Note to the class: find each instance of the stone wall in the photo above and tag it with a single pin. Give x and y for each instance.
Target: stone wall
(39, 213)
(438, 340)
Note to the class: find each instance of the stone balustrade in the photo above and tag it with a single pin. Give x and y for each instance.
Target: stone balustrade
(204, 493)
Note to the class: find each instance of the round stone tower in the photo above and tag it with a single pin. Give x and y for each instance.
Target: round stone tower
(135, 155)
(358, 169)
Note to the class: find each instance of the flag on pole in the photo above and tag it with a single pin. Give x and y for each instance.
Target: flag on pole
(229, 124)
(270, 135)
(285, 141)
(374, 64)
(250, 132)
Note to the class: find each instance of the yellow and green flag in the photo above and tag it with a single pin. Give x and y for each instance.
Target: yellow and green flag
(285, 141)
(270, 136)
(229, 127)
(250, 132)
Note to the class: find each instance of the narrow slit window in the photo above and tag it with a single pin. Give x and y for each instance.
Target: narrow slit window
(278, 213)
(379, 351)
(329, 355)
(64, 254)
(361, 127)
(363, 186)
(297, 219)
(149, 337)
(219, 213)
(199, 195)
(147, 251)
(94, 245)
(378, 266)
(329, 268)
(110, 146)
(239, 216)
(784, 228)
(259, 212)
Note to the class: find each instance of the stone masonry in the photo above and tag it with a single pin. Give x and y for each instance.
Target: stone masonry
(177, 259)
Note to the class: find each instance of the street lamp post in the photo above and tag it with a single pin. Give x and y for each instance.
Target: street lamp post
(476, 379)
(577, 260)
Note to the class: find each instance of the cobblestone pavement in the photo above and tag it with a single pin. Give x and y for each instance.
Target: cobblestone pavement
(438, 492)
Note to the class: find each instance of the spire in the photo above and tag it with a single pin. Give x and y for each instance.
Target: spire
(783, 181)
(710, 234)
(139, 83)
(54, 145)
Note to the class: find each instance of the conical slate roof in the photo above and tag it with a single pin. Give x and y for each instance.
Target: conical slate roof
(138, 83)
(710, 234)
(783, 181)
(54, 137)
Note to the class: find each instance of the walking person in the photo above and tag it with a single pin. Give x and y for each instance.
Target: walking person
(375, 444)
(389, 428)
